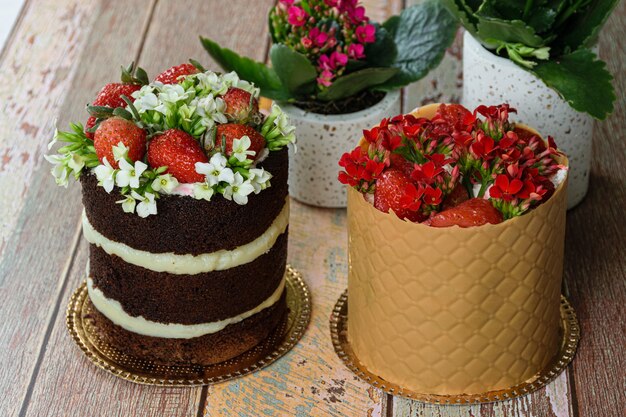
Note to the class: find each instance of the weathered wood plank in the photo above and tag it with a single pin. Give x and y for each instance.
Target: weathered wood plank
(35, 73)
(595, 267)
(173, 38)
(309, 380)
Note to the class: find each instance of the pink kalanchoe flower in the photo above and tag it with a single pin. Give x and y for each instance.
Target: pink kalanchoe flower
(339, 59)
(325, 78)
(331, 3)
(318, 37)
(297, 16)
(366, 34)
(286, 2)
(358, 15)
(306, 42)
(325, 63)
(356, 51)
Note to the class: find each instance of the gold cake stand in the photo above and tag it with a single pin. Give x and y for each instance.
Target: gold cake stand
(570, 332)
(141, 371)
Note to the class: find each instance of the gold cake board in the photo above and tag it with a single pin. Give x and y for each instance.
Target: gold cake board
(280, 341)
(570, 333)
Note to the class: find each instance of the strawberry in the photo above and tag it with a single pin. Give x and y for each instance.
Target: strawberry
(179, 151)
(110, 96)
(399, 162)
(455, 116)
(473, 212)
(172, 75)
(231, 131)
(390, 187)
(241, 106)
(456, 197)
(115, 130)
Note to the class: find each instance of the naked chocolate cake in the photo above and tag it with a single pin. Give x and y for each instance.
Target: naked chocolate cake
(186, 211)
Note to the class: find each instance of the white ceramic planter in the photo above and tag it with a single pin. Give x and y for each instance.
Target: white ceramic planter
(490, 79)
(321, 140)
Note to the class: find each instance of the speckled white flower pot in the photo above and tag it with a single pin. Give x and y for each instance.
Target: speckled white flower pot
(321, 140)
(489, 79)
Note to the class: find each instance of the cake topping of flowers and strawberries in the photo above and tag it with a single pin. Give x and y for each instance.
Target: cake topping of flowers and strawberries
(459, 168)
(190, 132)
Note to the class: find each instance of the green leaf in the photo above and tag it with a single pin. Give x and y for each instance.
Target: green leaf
(295, 70)
(537, 15)
(464, 13)
(263, 77)
(581, 30)
(422, 33)
(511, 31)
(357, 81)
(382, 52)
(580, 79)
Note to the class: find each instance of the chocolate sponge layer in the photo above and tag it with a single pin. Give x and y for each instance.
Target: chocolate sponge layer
(185, 225)
(234, 340)
(189, 299)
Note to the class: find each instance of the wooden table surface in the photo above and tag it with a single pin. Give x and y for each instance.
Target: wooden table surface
(62, 51)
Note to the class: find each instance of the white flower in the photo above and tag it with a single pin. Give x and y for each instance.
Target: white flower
(241, 148)
(231, 79)
(76, 162)
(105, 174)
(215, 170)
(120, 151)
(145, 99)
(173, 93)
(129, 174)
(60, 170)
(210, 109)
(165, 183)
(211, 82)
(128, 204)
(238, 190)
(203, 191)
(146, 206)
(259, 179)
(281, 121)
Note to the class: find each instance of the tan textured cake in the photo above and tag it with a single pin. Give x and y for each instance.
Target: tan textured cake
(455, 310)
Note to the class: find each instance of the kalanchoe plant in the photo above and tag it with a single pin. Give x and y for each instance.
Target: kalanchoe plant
(190, 132)
(435, 170)
(329, 50)
(551, 39)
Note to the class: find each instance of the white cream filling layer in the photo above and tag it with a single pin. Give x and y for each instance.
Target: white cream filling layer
(114, 311)
(190, 264)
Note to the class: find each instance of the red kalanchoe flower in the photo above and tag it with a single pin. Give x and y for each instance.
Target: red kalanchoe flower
(427, 173)
(412, 197)
(432, 196)
(483, 147)
(505, 189)
(360, 170)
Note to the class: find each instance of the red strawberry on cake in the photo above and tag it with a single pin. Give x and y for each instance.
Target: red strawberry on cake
(227, 134)
(174, 74)
(115, 130)
(179, 152)
(188, 240)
